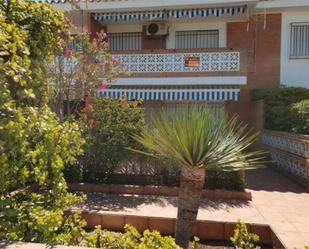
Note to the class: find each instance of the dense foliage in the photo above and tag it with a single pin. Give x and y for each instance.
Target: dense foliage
(281, 111)
(30, 35)
(225, 180)
(300, 112)
(107, 128)
(34, 146)
(131, 238)
(242, 239)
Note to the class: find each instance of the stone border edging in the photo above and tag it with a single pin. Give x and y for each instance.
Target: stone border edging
(204, 229)
(153, 190)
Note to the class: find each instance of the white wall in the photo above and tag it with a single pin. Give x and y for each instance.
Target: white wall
(294, 72)
(119, 28)
(173, 27)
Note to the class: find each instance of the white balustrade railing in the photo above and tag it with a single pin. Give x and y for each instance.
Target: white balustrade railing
(180, 62)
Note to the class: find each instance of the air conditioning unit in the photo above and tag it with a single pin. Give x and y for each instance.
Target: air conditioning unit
(157, 28)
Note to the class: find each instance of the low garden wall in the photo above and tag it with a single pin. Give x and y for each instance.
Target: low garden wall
(204, 229)
(290, 154)
(154, 190)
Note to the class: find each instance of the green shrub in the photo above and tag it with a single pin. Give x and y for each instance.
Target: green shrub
(107, 127)
(225, 180)
(34, 145)
(279, 104)
(242, 239)
(300, 111)
(130, 239)
(34, 149)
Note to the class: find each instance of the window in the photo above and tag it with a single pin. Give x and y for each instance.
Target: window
(197, 39)
(125, 41)
(299, 40)
(72, 43)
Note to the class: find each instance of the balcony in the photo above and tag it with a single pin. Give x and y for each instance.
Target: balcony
(177, 75)
(183, 63)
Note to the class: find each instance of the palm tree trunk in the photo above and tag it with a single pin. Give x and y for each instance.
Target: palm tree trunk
(189, 194)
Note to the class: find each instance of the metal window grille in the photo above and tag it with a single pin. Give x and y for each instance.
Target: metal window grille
(125, 41)
(299, 40)
(72, 43)
(197, 39)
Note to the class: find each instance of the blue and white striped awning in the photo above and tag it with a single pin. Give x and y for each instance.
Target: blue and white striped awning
(167, 14)
(215, 94)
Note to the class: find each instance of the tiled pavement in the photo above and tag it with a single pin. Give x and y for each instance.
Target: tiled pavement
(277, 201)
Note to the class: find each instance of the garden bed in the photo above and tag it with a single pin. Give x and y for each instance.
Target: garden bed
(154, 190)
(203, 245)
(209, 232)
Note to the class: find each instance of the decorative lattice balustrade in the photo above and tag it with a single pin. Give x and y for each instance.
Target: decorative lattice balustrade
(289, 152)
(298, 145)
(225, 61)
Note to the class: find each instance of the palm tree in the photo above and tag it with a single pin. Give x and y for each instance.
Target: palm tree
(198, 141)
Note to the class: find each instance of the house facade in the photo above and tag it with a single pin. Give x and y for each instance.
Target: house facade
(213, 50)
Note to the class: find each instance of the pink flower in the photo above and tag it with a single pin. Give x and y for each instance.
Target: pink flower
(88, 103)
(102, 86)
(94, 44)
(122, 67)
(114, 61)
(81, 56)
(61, 42)
(77, 81)
(101, 35)
(68, 53)
(94, 123)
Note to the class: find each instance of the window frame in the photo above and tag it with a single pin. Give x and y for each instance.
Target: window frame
(122, 36)
(292, 48)
(217, 31)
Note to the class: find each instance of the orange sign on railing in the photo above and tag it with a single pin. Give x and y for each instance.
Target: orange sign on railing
(192, 62)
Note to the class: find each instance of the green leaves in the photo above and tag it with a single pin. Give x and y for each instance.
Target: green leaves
(280, 108)
(242, 239)
(29, 35)
(129, 239)
(107, 127)
(200, 138)
(34, 145)
(300, 116)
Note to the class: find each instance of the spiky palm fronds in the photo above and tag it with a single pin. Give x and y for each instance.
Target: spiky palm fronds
(198, 137)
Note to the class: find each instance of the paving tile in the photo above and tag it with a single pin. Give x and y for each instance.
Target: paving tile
(302, 227)
(276, 201)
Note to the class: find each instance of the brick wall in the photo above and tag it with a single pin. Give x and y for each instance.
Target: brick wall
(264, 48)
(95, 27)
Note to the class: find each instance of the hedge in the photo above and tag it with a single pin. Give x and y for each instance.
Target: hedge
(285, 109)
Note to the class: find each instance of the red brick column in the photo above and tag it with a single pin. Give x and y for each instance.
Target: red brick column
(95, 26)
(263, 42)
